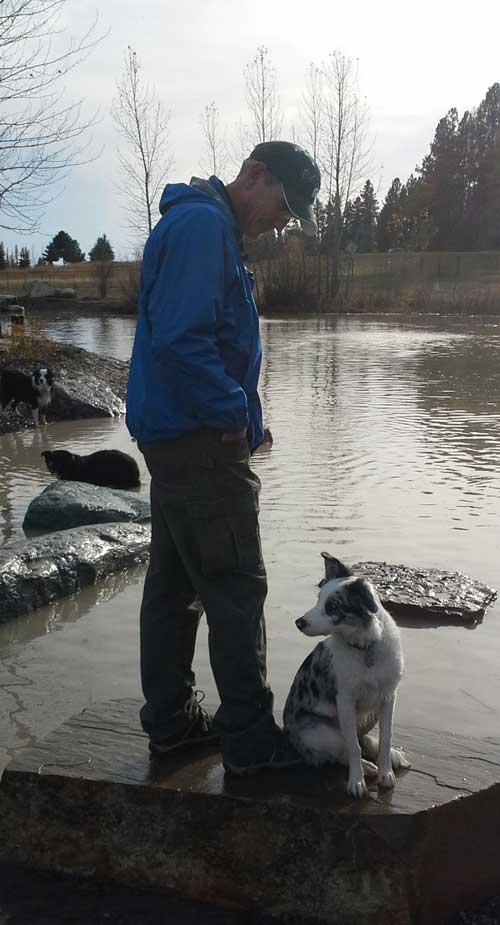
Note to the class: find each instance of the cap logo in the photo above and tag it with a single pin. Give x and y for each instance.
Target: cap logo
(308, 175)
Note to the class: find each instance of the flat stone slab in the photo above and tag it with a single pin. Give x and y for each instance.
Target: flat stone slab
(428, 596)
(63, 505)
(36, 572)
(88, 800)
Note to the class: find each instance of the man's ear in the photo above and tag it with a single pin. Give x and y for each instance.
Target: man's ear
(334, 568)
(254, 174)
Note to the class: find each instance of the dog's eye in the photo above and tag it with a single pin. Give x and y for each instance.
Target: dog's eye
(330, 607)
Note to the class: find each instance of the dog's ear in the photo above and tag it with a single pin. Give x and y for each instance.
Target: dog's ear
(334, 568)
(362, 592)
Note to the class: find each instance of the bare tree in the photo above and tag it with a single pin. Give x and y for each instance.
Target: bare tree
(215, 162)
(262, 97)
(312, 119)
(40, 130)
(143, 123)
(344, 151)
(313, 111)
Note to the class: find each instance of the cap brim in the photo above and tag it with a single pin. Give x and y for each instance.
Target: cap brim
(302, 210)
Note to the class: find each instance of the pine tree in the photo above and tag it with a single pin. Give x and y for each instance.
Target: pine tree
(418, 228)
(483, 219)
(3, 259)
(445, 183)
(24, 258)
(368, 210)
(101, 250)
(390, 220)
(62, 245)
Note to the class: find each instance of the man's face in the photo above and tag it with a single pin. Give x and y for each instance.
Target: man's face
(266, 207)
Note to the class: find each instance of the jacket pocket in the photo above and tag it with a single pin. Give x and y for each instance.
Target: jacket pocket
(227, 535)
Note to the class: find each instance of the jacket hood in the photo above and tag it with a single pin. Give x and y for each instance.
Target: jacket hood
(198, 190)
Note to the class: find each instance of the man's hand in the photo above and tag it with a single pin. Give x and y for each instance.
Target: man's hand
(268, 437)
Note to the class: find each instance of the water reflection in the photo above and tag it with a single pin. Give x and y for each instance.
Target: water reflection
(386, 441)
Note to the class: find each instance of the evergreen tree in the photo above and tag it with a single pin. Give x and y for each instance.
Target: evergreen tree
(390, 220)
(24, 258)
(368, 210)
(442, 175)
(3, 259)
(63, 246)
(483, 218)
(351, 216)
(101, 250)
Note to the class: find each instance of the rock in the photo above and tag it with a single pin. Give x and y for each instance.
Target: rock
(75, 396)
(428, 594)
(39, 571)
(39, 288)
(63, 505)
(87, 800)
(65, 293)
(86, 385)
(423, 596)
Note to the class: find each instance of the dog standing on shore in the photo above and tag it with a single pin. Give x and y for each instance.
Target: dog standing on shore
(348, 682)
(34, 390)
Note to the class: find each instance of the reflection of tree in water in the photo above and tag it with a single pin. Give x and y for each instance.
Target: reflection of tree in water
(458, 388)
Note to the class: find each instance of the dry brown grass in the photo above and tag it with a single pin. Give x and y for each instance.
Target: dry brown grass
(84, 277)
(26, 342)
(462, 283)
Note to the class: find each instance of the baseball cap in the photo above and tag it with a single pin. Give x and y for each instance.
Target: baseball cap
(299, 175)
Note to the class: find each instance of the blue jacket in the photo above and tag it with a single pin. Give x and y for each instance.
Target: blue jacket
(197, 350)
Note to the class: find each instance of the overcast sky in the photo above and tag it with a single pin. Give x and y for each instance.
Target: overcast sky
(415, 62)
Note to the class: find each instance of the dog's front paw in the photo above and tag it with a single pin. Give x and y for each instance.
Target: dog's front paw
(386, 779)
(398, 759)
(356, 787)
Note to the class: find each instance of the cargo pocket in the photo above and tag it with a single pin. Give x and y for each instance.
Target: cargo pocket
(227, 535)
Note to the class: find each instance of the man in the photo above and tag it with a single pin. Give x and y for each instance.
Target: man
(193, 406)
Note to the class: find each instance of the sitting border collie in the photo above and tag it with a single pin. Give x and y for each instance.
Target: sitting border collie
(34, 390)
(348, 682)
(110, 468)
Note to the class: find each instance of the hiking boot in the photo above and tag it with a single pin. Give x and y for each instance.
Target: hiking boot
(278, 756)
(199, 731)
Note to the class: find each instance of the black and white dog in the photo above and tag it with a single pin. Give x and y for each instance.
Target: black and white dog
(34, 390)
(348, 682)
(110, 468)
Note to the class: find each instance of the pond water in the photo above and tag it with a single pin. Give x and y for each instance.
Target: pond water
(386, 446)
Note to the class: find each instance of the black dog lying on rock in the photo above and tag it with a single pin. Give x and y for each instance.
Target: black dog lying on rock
(110, 468)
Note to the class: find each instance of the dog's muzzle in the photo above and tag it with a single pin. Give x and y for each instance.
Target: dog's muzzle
(301, 623)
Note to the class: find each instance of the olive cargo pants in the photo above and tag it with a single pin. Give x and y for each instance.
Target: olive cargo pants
(205, 547)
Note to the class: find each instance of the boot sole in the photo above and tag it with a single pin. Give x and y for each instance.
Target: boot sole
(159, 751)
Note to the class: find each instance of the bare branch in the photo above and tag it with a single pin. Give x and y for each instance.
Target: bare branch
(215, 143)
(262, 97)
(41, 136)
(143, 123)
